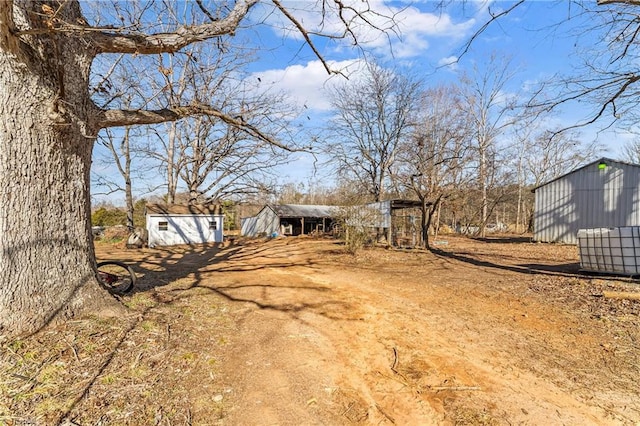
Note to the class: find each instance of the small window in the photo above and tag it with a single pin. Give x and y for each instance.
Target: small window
(213, 225)
(163, 226)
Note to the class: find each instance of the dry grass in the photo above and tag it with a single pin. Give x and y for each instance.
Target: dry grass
(161, 364)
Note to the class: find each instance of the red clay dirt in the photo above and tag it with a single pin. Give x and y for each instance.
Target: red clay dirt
(296, 331)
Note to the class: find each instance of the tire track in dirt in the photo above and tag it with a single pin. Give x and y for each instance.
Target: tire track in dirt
(439, 363)
(351, 344)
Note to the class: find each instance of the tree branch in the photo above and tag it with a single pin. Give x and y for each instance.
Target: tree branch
(119, 118)
(304, 33)
(627, 2)
(494, 17)
(119, 41)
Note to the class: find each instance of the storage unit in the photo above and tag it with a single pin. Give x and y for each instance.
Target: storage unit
(610, 250)
(601, 194)
(184, 224)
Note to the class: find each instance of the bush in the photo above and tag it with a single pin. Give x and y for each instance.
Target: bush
(357, 237)
(108, 217)
(357, 226)
(115, 234)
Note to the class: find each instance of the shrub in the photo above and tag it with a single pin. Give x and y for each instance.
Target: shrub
(358, 226)
(108, 217)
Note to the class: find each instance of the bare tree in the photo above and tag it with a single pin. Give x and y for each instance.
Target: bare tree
(218, 161)
(210, 157)
(49, 123)
(119, 143)
(631, 151)
(373, 116)
(432, 163)
(490, 108)
(119, 154)
(605, 81)
(549, 155)
(541, 153)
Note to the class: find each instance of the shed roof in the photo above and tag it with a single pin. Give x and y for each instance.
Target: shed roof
(303, 210)
(300, 210)
(407, 204)
(189, 209)
(599, 160)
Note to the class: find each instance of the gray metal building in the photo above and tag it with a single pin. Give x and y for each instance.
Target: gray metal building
(396, 220)
(604, 193)
(289, 219)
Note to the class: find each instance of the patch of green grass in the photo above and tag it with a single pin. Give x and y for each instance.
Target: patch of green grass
(189, 356)
(139, 371)
(147, 325)
(16, 345)
(51, 372)
(139, 301)
(109, 379)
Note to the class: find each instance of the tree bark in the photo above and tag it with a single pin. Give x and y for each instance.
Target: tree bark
(47, 261)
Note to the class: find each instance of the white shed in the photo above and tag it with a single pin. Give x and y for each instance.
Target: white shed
(602, 194)
(184, 224)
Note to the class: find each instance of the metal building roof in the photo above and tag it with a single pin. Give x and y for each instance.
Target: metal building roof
(300, 210)
(604, 160)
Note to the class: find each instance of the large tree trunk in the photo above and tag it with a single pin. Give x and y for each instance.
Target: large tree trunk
(47, 262)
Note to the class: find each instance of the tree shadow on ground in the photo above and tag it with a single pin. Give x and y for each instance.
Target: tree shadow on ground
(161, 266)
(571, 269)
(504, 239)
(164, 266)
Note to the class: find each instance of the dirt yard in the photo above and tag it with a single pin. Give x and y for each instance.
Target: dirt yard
(297, 332)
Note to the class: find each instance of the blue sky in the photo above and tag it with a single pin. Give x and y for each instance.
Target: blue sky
(536, 35)
(424, 40)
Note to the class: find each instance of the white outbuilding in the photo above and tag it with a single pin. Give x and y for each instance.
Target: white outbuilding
(184, 224)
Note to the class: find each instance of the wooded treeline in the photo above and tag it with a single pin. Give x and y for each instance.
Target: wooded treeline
(470, 152)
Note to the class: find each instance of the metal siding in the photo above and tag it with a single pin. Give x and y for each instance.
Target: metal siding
(248, 226)
(267, 222)
(587, 198)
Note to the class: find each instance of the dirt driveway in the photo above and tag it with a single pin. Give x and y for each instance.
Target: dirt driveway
(294, 331)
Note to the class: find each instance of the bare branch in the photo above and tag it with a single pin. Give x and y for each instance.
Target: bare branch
(304, 33)
(205, 11)
(486, 25)
(118, 118)
(627, 2)
(120, 41)
(105, 78)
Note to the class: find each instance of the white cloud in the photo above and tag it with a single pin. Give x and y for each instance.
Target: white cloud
(450, 62)
(407, 31)
(306, 84)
